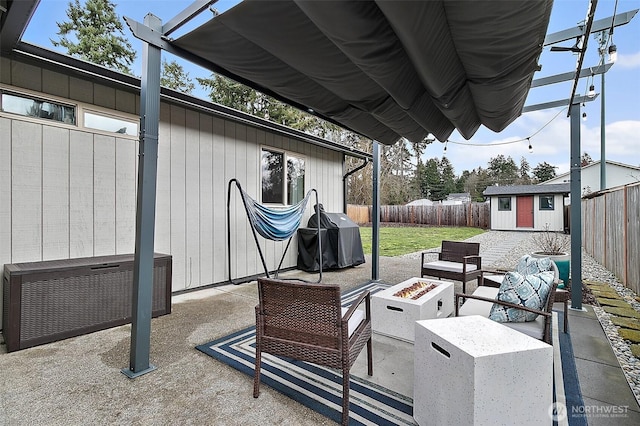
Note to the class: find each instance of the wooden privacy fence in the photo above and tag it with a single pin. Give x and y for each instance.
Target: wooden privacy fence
(476, 215)
(611, 231)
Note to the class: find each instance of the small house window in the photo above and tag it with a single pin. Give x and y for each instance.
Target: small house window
(98, 121)
(37, 108)
(504, 203)
(282, 176)
(546, 202)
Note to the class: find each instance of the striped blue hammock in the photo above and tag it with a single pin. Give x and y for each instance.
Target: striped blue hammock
(275, 224)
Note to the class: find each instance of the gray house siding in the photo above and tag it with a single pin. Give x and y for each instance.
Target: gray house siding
(68, 191)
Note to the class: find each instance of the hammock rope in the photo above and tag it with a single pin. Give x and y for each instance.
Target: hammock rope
(276, 224)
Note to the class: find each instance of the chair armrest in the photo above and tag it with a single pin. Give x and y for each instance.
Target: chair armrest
(500, 302)
(364, 296)
(473, 256)
(489, 283)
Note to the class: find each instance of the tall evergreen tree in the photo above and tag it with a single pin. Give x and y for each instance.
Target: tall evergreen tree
(543, 172)
(94, 33)
(502, 171)
(174, 77)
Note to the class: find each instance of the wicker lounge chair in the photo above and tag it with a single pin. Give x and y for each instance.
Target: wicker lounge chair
(484, 297)
(457, 260)
(305, 321)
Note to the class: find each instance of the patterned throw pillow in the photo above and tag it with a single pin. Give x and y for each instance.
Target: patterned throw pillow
(526, 290)
(528, 265)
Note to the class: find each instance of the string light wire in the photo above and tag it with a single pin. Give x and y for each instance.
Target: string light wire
(509, 142)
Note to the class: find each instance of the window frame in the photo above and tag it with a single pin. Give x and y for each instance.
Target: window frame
(109, 115)
(38, 98)
(285, 188)
(79, 108)
(551, 197)
(500, 206)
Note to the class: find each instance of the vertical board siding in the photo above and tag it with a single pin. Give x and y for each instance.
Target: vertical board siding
(125, 187)
(26, 192)
(5, 190)
(178, 198)
(104, 202)
(55, 193)
(205, 194)
(163, 183)
(81, 194)
(68, 193)
(219, 203)
(192, 198)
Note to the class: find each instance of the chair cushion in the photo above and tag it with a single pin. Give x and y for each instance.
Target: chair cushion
(531, 291)
(479, 307)
(355, 320)
(528, 265)
(445, 265)
(533, 328)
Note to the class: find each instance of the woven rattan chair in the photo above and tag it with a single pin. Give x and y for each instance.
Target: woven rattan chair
(306, 322)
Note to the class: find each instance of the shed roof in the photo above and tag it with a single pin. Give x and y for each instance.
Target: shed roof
(559, 188)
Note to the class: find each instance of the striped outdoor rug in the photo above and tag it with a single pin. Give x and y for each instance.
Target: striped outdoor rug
(320, 388)
(316, 387)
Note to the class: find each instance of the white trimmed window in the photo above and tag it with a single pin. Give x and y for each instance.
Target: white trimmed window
(109, 123)
(28, 106)
(546, 202)
(282, 177)
(32, 105)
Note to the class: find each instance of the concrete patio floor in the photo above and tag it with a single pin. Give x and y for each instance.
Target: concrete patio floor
(78, 380)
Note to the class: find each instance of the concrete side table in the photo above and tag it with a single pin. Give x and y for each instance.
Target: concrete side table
(475, 371)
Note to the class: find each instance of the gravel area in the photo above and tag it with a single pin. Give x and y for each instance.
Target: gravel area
(591, 270)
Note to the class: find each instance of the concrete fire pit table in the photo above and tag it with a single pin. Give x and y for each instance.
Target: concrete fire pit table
(395, 315)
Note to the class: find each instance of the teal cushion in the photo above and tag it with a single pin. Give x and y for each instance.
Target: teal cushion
(526, 290)
(528, 265)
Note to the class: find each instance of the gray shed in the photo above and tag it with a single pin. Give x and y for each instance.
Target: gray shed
(528, 207)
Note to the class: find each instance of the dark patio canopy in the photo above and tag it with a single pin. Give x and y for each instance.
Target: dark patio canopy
(384, 69)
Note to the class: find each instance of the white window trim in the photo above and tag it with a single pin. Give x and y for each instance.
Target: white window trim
(80, 109)
(286, 154)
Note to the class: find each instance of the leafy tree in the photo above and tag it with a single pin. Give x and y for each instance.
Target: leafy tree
(97, 35)
(174, 77)
(543, 172)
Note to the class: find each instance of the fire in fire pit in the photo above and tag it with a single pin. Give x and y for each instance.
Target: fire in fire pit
(415, 291)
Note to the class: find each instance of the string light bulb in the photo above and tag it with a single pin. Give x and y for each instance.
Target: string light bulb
(592, 92)
(445, 146)
(613, 53)
(530, 146)
(584, 116)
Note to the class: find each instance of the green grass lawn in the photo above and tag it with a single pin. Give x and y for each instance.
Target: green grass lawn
(395, 241)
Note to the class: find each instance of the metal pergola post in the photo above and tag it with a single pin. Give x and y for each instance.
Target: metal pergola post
(375, 215)
(145, 207)
(576, 210)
